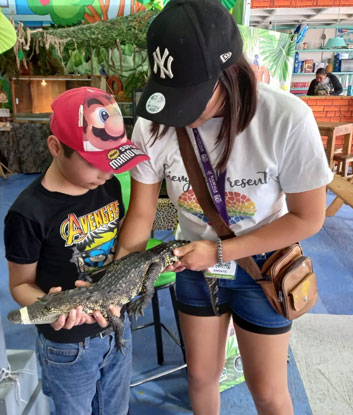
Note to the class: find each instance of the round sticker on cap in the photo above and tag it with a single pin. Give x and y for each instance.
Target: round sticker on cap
(155, 103)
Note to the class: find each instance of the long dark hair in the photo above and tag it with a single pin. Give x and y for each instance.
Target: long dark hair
(239, 84)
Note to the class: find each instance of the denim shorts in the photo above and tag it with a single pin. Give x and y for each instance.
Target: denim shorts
(241, 296)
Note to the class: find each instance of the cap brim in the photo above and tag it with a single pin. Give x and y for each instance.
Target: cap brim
(116, 160)
(174, 106)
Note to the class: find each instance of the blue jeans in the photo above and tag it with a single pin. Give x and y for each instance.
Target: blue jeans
(89, 377)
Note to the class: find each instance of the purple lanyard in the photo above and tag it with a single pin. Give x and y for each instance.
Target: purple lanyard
(215, 186)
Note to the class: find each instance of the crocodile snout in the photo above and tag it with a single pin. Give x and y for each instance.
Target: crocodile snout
(15, 316)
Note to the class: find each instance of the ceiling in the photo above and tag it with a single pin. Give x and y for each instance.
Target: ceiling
(270, 18)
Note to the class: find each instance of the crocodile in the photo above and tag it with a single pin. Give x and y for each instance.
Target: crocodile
(119, 283)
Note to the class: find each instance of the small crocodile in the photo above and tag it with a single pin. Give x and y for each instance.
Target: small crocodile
(121, 281)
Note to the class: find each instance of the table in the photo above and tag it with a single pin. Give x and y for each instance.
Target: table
(332, 130)
(343, 188)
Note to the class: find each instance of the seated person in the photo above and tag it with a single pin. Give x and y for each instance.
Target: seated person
(325, 84)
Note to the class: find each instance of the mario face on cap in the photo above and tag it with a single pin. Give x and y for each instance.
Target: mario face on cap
(103, 124)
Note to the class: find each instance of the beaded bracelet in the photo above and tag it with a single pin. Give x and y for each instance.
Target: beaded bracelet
(220, 252)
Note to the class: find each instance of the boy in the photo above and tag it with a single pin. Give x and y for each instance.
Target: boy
(62, 226)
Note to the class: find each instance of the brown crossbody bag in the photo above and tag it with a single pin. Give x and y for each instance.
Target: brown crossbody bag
(287, 277)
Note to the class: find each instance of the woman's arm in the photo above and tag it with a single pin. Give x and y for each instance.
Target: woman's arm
(311, 90)
(138, 222)
(305, 217)
(337, 87)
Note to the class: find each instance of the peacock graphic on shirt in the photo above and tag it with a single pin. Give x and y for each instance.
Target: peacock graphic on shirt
(239, 206)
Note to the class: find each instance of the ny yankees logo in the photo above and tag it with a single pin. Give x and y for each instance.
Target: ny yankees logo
(159, 61)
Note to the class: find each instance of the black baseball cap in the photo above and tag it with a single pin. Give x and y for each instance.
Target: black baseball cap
(189, 44)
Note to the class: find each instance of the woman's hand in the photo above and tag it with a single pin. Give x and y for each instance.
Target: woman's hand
(197, 256)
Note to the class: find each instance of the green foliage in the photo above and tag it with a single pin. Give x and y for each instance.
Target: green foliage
(135, 80)
(5, 86)
(46, 62)
(8, 65)
(118, 45)
(130, 29)
(251, 38)
(154, 4)
(128, 49)
(229, 4)
(278, 54)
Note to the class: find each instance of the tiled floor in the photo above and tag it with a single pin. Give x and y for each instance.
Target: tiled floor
(320, 365)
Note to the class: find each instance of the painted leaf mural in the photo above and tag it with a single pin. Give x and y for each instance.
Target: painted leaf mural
(277, 54)
(229, 4)
(62, 13)
(270, 55)
(69, 13)
(159, 4)
(154, 4)
(101, 10)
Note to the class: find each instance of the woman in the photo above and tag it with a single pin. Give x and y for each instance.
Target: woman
(267, 154)
(325, 84)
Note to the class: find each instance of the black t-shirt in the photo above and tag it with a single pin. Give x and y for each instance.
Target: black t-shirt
(68, 236)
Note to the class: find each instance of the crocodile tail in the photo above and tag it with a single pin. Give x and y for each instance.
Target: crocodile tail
(212, 285)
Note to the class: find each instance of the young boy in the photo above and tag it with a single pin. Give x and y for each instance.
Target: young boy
(62, 226)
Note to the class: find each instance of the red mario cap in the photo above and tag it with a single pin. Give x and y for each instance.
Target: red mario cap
(89, 121)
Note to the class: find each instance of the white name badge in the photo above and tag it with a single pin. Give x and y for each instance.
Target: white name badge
(226, 270)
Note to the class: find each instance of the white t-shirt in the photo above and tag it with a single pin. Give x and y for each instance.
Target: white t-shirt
(280, 152)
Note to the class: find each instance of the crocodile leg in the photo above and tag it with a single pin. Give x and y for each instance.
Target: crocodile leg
(147, 291)
(118, 326)
(212, 285)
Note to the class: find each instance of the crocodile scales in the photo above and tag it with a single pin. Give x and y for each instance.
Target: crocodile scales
(122, 281)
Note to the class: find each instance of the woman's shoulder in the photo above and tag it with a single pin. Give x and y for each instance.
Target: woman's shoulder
(143, 127)
(280, 103)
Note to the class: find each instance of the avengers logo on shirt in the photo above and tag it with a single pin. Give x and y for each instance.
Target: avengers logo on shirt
(92, 236)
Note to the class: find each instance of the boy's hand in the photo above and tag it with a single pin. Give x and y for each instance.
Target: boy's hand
(77, 317)
(97, 314)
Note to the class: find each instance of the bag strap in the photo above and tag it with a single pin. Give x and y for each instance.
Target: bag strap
(203, 196)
